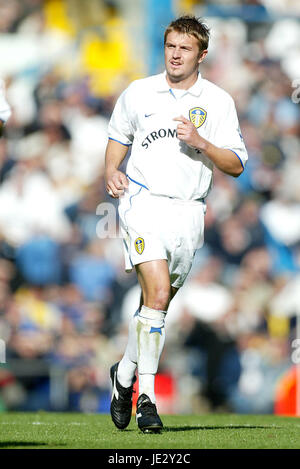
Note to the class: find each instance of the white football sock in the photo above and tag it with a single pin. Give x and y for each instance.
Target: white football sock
(150, 336)
(146, 386)
(127, 365)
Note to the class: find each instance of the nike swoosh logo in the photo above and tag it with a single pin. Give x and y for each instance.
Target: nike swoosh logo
(148, 115)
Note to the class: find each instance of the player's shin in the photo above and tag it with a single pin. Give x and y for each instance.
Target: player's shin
(150, 343)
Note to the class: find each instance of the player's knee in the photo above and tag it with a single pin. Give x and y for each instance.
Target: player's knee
(159, 298)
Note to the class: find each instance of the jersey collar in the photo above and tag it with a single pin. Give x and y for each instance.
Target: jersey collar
(194, 90)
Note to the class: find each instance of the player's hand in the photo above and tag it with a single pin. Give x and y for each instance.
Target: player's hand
(187, 132)
(116, 183)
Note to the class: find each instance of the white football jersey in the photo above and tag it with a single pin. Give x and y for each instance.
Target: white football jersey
(143, 117)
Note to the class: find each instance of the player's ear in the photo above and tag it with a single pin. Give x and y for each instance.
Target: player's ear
(202, 55)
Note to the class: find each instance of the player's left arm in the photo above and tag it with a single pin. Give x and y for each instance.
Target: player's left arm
(224, 159)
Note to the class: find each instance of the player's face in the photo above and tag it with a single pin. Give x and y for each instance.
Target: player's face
(182, 56)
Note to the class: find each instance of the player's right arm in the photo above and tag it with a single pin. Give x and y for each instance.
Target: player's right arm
(121, 130)
(115, 180)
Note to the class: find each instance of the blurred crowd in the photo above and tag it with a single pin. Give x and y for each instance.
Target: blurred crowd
(65, 299)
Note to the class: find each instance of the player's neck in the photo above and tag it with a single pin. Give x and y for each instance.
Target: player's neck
(182, 84)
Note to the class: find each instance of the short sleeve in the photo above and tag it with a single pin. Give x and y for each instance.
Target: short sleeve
(228, 133)
(121, 124)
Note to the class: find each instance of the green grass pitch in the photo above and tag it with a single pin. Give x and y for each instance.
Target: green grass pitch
(214, 431)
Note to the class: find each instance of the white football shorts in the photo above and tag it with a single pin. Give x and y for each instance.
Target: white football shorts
(158, 227)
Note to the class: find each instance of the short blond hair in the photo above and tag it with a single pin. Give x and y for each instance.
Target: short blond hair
(192, 26)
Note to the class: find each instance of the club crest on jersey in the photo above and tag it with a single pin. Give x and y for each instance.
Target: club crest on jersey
(139, 245)
(197, 116)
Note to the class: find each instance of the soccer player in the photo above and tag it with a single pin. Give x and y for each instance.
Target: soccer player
(5, 111)
(180, 126)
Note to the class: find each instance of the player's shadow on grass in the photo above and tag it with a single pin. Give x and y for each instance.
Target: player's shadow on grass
(23, 444)
(218, 427)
